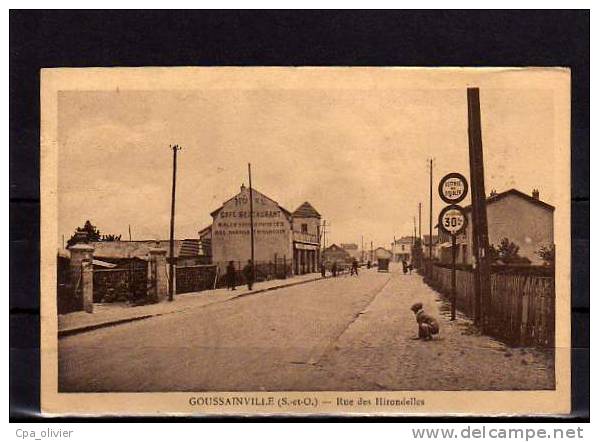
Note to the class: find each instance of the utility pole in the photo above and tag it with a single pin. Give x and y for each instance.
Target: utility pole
(480, 237)
(361, 256)
(251, 214)
(171, 264)
(129, 232)
(420, 221)
(414, 240)
(324, 234)
(371, 252)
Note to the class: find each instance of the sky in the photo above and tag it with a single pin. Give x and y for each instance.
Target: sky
(359, 156)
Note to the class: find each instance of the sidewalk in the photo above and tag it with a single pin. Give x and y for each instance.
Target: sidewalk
(105, 315)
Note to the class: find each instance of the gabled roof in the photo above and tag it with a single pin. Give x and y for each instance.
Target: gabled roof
(502, 195)
(336, 247)
(306, 210)
(254, 191)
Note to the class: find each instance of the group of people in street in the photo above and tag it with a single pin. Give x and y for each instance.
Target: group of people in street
(248, 273)
(407, 267)
(335, 269)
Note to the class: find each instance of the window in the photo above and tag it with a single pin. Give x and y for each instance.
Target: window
(304, 228)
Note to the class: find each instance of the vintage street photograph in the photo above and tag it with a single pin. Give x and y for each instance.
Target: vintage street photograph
(394, 232)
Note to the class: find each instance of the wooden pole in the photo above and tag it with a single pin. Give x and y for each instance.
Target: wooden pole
(420, 221)
(172, 232)
(453, 290)
(480, 237)
(414, 239)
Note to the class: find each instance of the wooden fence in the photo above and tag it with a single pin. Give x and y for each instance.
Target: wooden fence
(520, 309)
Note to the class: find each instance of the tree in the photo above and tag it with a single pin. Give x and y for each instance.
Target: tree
(547, 254)
(111, 237)
(507, 252)
(89, 233)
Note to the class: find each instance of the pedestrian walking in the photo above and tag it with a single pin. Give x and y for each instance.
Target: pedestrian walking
(405, 266)
(334, 269)
(248, 272)
(354, 267)
(427, 325)
(410, 268)
(230, 276)
(323, 270)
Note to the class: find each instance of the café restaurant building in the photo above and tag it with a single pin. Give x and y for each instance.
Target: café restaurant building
(280, 236)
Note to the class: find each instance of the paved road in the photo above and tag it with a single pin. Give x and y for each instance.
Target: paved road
(347, 333)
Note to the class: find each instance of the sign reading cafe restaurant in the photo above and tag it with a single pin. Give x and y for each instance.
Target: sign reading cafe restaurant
(278, 234)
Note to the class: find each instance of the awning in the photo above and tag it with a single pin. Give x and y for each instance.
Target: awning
(105, 264)
(301, 246)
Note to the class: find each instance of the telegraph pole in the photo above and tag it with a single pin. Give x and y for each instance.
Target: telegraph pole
(480, 237)
(171, 264)
(414, 240)
(362, 256)
(251, 214)
(420, 221)
(129, 232)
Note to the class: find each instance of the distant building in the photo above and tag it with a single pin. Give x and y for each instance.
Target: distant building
(279, 235)
(402, 249)
(335, 253)
(524, 219)
(382, 253)
(353, 250)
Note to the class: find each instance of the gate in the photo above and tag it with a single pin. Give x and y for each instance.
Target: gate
(128, 283)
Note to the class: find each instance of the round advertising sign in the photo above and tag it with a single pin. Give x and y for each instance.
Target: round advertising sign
(453, 188)
(453, 220)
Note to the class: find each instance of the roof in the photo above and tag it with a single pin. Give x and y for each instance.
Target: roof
(306, 210)
(404, 240)
(105, 264)
(514, 192)
(336, 247)
(141, 249)
(245, 189)
(205, 231)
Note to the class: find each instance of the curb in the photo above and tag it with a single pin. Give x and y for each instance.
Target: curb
(86, 328)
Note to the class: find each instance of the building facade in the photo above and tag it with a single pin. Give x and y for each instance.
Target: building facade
(353, 250)
(280, 236)
(305, 221)
(525, 220)
(401, 249)
(336, 254)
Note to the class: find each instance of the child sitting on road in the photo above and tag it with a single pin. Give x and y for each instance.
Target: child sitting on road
(427, 325)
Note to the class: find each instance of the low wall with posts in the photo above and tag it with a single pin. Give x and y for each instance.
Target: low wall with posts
(520, 310)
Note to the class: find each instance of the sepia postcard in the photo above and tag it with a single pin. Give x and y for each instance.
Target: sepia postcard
(305, 241)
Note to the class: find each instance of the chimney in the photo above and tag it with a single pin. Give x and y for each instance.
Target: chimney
(493, 193)
(242, 187)
(535, 193)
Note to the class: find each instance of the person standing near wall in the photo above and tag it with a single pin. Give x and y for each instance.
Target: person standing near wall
(248, 272)
(231, 276)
